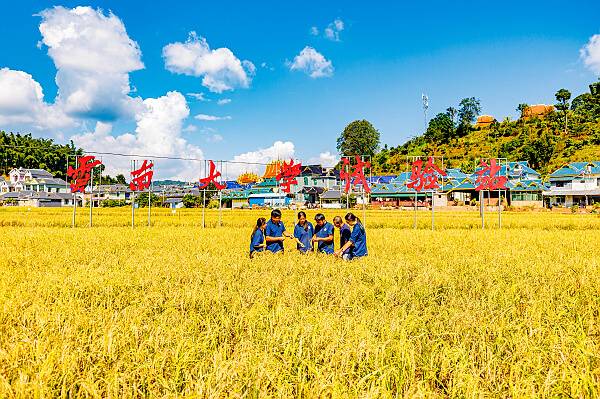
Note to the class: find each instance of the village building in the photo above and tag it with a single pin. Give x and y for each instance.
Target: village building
(577, 183)
(331, 199)
(269, 200)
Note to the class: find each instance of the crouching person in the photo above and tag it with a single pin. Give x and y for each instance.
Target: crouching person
(356, 246)
(257, 239)
(323, 234)
(275, 232)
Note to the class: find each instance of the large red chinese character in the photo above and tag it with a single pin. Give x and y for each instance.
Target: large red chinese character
(357, 176)
(141, 178)
(212, 178)
(425, 178)
(487, 177)
(288, 174)
(81, 176)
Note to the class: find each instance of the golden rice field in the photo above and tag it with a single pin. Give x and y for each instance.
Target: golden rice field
(179, 310)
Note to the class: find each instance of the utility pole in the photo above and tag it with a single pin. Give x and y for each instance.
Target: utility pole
(425, 107)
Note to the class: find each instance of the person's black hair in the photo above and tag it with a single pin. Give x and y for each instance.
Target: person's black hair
(259, 223)
(300, 214)
(350, 217)
(275, 213)
(319, 217)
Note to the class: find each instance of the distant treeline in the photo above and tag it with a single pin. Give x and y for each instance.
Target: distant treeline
(25, 151)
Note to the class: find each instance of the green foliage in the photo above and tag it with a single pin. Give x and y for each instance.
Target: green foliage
(358, 138)
(112, 203)
(540, 141)
(17, 150)
(25, 151)
(192, 201)
(521, 108)
(468, 110)
(141, 200)
(440, 129)
(563, 96)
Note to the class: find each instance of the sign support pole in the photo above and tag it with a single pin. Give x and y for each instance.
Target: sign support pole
(220, 209)
(499, 211)
(203, 208)
(481, 208)
(133, 200)
(432, 211)
(416, 209)
(91, 196)
(220, 199)
(74, 196)
(150, 203)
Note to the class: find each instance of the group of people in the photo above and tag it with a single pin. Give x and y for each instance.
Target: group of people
(270, 235)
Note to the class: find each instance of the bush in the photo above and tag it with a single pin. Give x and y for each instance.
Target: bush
(112, 203)
(574, 208)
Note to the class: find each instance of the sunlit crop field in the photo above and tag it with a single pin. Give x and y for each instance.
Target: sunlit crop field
(178, 309)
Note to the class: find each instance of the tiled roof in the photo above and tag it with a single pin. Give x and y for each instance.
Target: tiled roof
(574, 169)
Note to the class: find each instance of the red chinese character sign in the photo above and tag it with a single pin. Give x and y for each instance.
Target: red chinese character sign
(488, 178)
(212, 177)
(357, 176)
(288, 174)
(141, 178)
(81, 175)
(425, 177)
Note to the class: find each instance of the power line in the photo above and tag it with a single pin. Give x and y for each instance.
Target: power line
(139, 155)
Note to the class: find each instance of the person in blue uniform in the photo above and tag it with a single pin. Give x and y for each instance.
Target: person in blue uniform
(345, 232)
(323, 234)
(304, 232)
(357, 244)
(275, 232)
(257, 239)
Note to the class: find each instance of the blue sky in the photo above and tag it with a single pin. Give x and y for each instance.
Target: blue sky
(387, 54)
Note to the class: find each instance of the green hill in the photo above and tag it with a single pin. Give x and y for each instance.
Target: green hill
(541, 140)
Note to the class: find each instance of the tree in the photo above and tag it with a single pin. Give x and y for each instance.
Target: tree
(121, 179)
(468, 110)
(452, 112)
(358, 138)
(142, 200)
(521, 108)
(440, 129)
(17, 150)
(563, 96)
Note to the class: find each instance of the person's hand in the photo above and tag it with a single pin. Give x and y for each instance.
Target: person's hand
(337, 253)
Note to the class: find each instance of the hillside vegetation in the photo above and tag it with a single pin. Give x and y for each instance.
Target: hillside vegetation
(544, 141)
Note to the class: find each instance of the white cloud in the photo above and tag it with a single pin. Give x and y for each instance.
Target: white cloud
(220, 69)
(214, 138)
(314, 31)
(311, 62)
(332, 32)
(590, 54)
(157, 133)
(198, 96)
(205, 117)
(189, 129)
(94, 56)
(22, 103)
(326, 159)
(244, 162)
(224, 101)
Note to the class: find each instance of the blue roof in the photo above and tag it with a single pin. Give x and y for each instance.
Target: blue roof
(380, 179)
(574, 169)
(527, 185)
